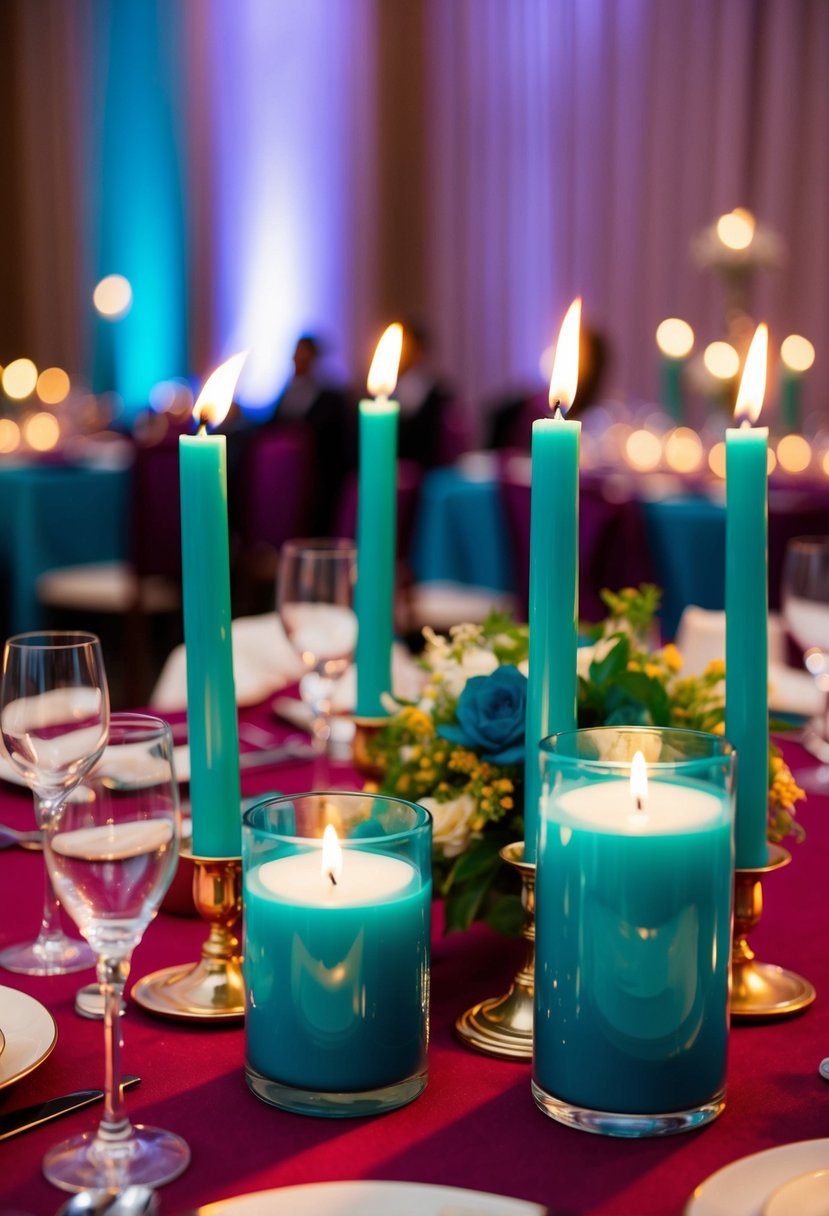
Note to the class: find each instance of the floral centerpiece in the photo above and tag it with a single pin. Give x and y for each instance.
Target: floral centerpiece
(459, 750)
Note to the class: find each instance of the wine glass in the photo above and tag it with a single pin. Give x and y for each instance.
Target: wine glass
(111, 848)
(805, 595)
(314, 597)
(54, 716)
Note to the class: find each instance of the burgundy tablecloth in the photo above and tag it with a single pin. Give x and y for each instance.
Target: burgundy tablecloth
(475, 1126)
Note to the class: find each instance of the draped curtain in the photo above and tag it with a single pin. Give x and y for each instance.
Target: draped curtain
(578, 146)
(335, 162)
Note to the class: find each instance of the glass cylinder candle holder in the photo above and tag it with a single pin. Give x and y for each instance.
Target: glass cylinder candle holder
(633, 929)
(337, 905)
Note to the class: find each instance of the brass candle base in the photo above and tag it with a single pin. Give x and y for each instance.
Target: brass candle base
(365, 730)
(503, 1026)
(760, 990)
(211, 989)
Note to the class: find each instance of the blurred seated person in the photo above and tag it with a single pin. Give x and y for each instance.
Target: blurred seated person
(511, 422)
(424, 400)
(309, 401)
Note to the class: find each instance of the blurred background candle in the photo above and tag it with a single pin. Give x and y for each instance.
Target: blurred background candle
(211, 699)
(336, 947)
(675, 340)
(796, 357)
(633, 924)
(554, 568)
(746, 606)
(377, 527)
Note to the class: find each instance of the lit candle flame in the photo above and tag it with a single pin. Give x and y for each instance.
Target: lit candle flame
(639, 781)
(382, 375)
(332, 855)
(736, 229)
(214, 400)
(565, 378)
(753, 381)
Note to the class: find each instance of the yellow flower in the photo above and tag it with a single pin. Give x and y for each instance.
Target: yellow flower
(653, 670)
(718, 728)
(716, 669)
(671, 657)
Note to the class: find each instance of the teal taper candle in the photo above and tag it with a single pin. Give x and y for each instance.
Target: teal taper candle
(377, 528)
(211, 699)
(746, 608)
(554, 562)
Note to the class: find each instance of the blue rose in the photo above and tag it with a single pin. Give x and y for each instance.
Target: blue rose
(491, 716)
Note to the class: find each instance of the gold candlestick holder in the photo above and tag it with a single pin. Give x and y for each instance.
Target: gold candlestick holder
(503, 1026)
(761, 990)
(212, 989)
(365, 731)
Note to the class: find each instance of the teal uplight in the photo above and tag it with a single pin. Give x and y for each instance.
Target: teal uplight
(137, 191)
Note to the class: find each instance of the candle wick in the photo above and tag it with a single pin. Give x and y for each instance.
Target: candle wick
(639, 806)
(745, 425)
(557, 410)
(333, 879)
(204, 418)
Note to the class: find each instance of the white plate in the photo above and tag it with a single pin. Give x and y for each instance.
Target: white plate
(807, 1196)
(30, 1032)
(745, 1187)
(371, 1199)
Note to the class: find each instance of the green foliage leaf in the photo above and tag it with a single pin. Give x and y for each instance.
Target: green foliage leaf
(613, 663)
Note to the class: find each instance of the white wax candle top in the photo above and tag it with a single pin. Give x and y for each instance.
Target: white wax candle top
(379, 405)
(607, 806)
(365, 878)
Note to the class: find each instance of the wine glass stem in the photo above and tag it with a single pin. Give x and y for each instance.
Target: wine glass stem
(114, 1127)
(50, 926)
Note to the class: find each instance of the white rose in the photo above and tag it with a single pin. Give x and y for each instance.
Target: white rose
(474, 662)
(450, 822)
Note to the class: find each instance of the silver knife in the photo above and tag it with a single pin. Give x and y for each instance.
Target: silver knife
(27, 1117)
(276, 755)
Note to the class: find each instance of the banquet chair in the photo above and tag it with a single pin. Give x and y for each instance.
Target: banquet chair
(147, 584)
(613, 550)
(273, 489)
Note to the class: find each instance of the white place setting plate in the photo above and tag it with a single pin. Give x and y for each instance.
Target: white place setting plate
(371, 1199)
(30, 1033)
(758, 1185)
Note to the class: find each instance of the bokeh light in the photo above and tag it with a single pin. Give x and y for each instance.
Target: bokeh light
(736, 228)
(683, 450)
(53, 385)
(716, 459)
(771, 461)
(797, 353)
(643, 450)
(41, 431)
(721, 360)
(112, 297)
(9, 435)
(674, 337)
(19, 379)
(794, 453)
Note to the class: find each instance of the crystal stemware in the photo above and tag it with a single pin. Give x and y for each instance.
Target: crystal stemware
(315, 596)
(54, 716)
(111, 848)
(805, 595)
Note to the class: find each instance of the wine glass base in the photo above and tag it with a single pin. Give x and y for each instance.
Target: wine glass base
(90, 1002)
(50, 956)
(151, 1157)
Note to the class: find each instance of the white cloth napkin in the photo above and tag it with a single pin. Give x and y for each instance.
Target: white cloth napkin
(701, 639)
(264, 661)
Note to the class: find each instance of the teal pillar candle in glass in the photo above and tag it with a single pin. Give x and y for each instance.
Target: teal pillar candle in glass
(675, 340)
(337, 891)
(211, 698)
(552, 688)
(633, 929)
(746, 607)
(377, 528)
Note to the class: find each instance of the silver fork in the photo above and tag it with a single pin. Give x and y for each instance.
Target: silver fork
(26, 840)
